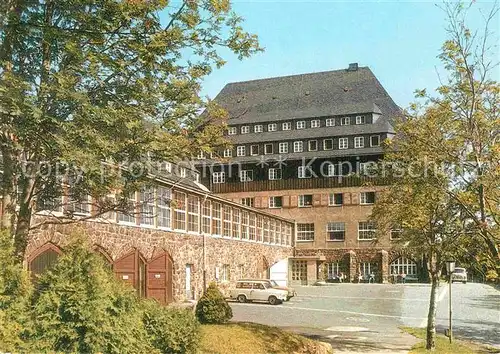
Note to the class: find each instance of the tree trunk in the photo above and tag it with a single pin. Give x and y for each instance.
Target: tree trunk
(434, 273)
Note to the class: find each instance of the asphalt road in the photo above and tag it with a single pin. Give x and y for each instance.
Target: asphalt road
(367, 317)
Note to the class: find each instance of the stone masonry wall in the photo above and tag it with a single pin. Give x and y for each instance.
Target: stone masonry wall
(245, 258)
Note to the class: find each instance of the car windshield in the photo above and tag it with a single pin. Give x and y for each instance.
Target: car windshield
(459, 270)
(267, 285)
(273, 283)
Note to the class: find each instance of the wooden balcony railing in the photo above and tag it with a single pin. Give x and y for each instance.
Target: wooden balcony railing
(299, 183)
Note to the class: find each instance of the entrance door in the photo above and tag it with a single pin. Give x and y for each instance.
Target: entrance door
(299, 272)
(159, 278)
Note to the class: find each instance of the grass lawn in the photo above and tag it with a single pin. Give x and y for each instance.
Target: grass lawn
(443, 345)
(254, 339)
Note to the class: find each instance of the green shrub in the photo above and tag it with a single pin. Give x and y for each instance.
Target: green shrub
(171, 330)
(79, 306)
(212, 307)
(15, 290)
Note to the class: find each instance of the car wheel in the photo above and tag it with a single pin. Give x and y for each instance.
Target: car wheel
(464, 282)
(273, 300)
(242, 298)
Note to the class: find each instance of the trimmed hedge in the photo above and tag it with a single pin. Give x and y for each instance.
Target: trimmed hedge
(212, 307)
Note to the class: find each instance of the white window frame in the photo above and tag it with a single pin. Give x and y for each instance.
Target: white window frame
(225, 273)
(304, 172)
(147, 206)
(265, 149)
(216, 219)
(330, 122)
(182, 172)
(248, 201)
(333, 170)
(359, 142)
(275, 174)
(343, 143)
(345, 121)
(298, 146)
(331, 199)
(273, 204)
(228, 152)
(246, 175)
(180, 210)
(324, 144)
(366, 230)
(232, 131)
(302, 201)
(193, 209)
(206, 221)
(305, 232)
(219, 177)
(360, 120)
(363, 198)
(258, 128)
(272, 127)
(333, 227)
(301, 124)
(245, 129)
(241, 150)
(164, 210)
(286, 126)
(315, 123)
(309, 145)
(283, 148)
(378, 140)
(403, 265)
(252, 153)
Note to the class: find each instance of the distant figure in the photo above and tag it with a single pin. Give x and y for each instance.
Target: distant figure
(403, 277)
(372, 278)
(360, 278)
(341, 277)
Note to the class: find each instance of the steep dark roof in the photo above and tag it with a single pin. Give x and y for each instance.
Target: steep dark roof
(322, 94)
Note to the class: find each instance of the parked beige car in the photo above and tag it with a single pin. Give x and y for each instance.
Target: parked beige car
(290, 291)
(258, 290)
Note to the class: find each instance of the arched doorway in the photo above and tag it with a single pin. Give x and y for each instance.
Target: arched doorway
(43, 258)
(159, 278)
(131, 269)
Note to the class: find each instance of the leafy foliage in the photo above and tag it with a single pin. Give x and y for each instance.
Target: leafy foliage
(171, 330)
(79, 306)
(86, 81)
(212, 307)
(15, 290)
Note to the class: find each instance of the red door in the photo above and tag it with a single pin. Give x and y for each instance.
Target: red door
(126, 268)
(159, 278)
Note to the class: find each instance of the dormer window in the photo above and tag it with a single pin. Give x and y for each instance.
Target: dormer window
(245, 129)
(360, 119)
(231, 131)
(301, 124)
(345, 121)
(182, 172)
(330, 122)
(272, 127)
(228, 153)
(258, 128)
(315, 123)
(286, 126)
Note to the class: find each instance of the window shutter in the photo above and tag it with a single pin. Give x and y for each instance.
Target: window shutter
(286, 201)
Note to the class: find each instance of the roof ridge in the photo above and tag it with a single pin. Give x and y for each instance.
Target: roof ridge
(295, 75)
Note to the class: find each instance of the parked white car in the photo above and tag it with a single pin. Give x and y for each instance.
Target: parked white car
(258, 290)
(459, 274)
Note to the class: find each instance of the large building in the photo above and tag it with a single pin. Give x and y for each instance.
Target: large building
(301, 148)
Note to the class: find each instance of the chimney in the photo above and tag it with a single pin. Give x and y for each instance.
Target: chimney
(353, 67)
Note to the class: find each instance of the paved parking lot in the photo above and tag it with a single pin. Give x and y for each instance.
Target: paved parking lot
(366, 317)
